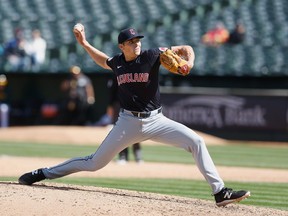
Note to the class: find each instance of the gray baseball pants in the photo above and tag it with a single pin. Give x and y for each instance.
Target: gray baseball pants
(129, 130)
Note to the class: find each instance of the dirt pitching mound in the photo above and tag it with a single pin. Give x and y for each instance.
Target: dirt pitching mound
(59, 199)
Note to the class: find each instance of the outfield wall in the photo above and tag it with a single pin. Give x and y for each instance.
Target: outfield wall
(230, 112)
(241, 114)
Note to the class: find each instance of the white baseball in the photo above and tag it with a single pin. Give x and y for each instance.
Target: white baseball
(78, 28)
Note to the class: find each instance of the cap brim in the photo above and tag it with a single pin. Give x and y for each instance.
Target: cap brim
(138, 36)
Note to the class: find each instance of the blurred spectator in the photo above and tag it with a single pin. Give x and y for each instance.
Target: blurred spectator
(112, 110)
(79, 98)
(1, 50)
(3, 88)
(237, 35)
(36, 49)
(137, 153)
(216, 36)
(14, 52)
(4, 107)
(1, 55)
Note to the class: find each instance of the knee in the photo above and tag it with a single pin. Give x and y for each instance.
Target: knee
(89, 163)
(200, 141)
(93, 164)
(196, 144)
(92, 168)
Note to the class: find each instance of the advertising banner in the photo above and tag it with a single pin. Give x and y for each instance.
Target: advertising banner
(228, 112)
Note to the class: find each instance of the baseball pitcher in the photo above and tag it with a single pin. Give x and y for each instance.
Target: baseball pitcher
(141, 116)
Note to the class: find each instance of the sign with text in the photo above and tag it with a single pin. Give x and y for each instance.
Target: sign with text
(227, 112)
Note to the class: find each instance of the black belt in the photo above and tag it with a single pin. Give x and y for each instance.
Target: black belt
(143, 114)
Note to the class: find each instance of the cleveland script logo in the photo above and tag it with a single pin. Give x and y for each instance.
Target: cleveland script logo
(132, 78)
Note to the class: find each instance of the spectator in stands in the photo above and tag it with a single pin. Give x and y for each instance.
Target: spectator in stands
(79, 98)
(1, 55)
(3, 88)
(4, 106)
(124, 154)
(113, 107)
(237, 35)
(1, 50)
(14, 52)
(36, 49)
(216, 36)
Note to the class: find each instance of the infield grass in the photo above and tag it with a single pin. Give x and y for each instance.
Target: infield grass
(243, 155)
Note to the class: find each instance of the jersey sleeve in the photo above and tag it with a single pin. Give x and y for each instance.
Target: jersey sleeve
(153, 55)
(110, 62)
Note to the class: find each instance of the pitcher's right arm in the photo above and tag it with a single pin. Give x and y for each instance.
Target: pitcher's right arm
(98, 56)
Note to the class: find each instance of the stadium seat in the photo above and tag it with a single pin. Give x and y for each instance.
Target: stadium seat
(165, 23)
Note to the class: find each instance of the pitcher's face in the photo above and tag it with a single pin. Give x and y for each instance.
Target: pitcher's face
(131, 48)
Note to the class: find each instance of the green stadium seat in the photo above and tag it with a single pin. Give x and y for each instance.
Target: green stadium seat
(165, 23)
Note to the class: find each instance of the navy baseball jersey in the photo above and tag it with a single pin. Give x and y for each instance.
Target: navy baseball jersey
(138, 86)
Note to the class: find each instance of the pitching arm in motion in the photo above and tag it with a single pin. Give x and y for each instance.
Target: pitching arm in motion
(98, 56)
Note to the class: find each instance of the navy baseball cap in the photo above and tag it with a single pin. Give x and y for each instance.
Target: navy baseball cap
(128, 34)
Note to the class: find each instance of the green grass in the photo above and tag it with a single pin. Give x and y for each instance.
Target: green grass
(272, 195)
(243, 155)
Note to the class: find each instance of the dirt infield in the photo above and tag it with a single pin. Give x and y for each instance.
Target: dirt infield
(15, 166)
(71, 135)
(48, 198)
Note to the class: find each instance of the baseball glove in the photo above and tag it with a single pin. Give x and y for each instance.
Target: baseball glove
(174, 63)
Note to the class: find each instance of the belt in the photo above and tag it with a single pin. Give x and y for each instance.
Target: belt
(142, 114)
